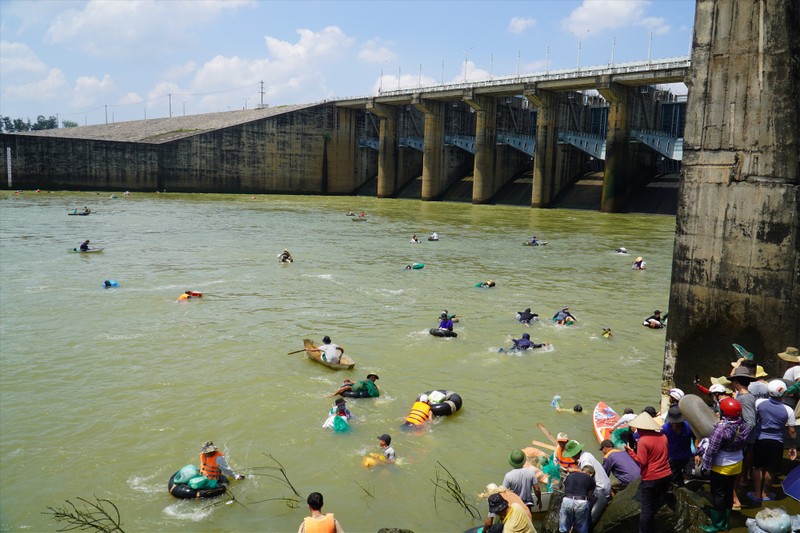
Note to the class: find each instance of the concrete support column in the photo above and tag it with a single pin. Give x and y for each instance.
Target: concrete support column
(618, 167)
(433, 176)
(387, 148)
(544, 160)
(736, 260)
(485, 182)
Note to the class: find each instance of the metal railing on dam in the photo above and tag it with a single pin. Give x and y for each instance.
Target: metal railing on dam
(652, 72)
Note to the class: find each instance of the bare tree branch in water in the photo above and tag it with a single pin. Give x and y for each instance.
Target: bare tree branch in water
(452, 491)
(281, 477)
(367, 491)
(100, 515)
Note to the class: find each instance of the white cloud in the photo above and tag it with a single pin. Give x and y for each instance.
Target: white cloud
(39, 91)
(599, 15)
(179, 71)
(122, 28)
(519, 24)
(89, 90)
(655, 24)
(19, 58)
(373, 51)
(130, 98)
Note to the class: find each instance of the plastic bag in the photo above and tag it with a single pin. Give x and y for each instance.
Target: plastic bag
(774, 520)
(185, 474)
(202, 482)
(340, 424)
(436, 397)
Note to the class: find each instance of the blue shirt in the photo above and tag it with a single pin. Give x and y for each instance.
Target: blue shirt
(679, 445)
(622, 466)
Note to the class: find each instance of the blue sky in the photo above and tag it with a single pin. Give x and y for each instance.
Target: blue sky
(74, 58)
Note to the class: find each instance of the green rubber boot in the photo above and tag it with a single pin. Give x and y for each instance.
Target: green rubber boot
(727, 522)
(718, 522)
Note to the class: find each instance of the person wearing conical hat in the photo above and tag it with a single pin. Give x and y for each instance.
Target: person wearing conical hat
(792, 355)
(652, 457)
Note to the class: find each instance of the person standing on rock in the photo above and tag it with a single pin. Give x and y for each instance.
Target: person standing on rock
(652, 457)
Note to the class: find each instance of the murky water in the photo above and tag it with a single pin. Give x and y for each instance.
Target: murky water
(108, 392)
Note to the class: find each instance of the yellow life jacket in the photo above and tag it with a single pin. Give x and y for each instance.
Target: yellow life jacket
(326, 525)
(420, 412)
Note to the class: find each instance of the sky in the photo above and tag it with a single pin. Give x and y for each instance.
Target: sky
(117, 60)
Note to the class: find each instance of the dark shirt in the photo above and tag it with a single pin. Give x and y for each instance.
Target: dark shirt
(622, 466)
(679, 445)
(578, 484)
(446, 323)
(523, 344)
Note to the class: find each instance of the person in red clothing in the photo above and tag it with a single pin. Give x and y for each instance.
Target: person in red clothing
(652, 456)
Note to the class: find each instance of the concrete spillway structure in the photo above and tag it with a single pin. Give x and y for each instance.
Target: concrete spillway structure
(736, 266)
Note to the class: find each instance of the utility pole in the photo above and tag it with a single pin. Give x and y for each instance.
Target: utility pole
(106, 106)
(262, 93)
(170, 105)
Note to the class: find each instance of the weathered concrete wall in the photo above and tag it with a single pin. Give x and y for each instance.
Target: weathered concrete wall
(312, 150)
(53, 163)
(736, 265)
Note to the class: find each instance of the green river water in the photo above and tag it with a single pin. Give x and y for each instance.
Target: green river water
(108, 392)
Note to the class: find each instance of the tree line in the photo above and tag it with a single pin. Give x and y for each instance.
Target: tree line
(9, 125)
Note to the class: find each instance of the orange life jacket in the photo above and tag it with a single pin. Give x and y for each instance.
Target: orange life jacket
(564, 463)
(208, 465)
(420, 412)
(326, 525)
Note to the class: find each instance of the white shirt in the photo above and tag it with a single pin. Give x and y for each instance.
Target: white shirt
(331, 352)
(600, 477)
(793, 374)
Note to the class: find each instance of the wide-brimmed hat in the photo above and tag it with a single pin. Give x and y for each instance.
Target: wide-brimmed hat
(497, 504)
(742, 373)
(492, 488)
(722, 380)
(370, 375)
(644, 421)
(760, 373)
(517, 459)
(791, 354)
(208, 447)
(639, 258)
(674, 415)
(562, 436)
(572, 448)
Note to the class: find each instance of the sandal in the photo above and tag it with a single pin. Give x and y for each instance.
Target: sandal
(736, 507)
(752, 497)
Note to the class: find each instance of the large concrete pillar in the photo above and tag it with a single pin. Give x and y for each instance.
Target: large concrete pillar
(544, 160)
(618, 166)
(736, 265)
(433, 175)
(387, 148)
(485, 181)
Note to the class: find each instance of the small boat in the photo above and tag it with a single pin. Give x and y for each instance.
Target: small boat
(89, 251)
(540, 243)
(359, 219)
(79, 213)
(603, 420)
(312, 352)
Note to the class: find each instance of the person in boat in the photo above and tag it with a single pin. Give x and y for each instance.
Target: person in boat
(564, 317)
(351, 214)
(213, 463)
(331, 353)
(654, 321)
(368, 385)
(420, 412)
(525, 343)
(534, 241)
(414, 239)
(362, 214)
(85, 246)
(318, 521)
(86, 210)
(621, 250)
(526, 317)
(434, 237)
(285, 257)
(445, 322)
(639, 264)
(521, 479)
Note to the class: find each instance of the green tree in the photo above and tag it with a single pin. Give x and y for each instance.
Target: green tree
(69, 124)
(43, 123)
